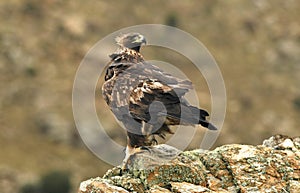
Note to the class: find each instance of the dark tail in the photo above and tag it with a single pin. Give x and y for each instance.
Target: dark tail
(208, 125)
(193, 115)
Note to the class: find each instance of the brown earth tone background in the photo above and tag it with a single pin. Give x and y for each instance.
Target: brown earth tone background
(255, 43)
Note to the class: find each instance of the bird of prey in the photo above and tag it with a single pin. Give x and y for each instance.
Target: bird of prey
(144, 98)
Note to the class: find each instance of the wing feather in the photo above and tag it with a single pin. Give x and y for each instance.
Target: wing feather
(137, 74)
(152, 99)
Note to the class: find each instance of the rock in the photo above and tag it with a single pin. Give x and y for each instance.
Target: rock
(182, 187)
(271, 167)
(98, 185)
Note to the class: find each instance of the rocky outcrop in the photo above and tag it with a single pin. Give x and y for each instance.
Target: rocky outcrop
(271, 167)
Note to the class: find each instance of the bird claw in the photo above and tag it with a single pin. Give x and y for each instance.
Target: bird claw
(130, 157)
(146, 148)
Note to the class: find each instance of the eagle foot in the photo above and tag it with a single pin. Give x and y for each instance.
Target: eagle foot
(130, 155)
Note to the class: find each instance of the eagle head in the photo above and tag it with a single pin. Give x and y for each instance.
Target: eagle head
(131, 40)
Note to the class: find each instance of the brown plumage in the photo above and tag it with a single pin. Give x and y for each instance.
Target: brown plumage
(144, 98)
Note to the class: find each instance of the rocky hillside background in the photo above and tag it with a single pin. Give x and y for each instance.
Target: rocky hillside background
(256, 44)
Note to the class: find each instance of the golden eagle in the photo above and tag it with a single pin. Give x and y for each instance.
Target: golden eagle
(144, 98)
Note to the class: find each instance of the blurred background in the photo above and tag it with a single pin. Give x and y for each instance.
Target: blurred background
(256, 44)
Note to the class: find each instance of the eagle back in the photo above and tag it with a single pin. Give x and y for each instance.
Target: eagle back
(121, 60)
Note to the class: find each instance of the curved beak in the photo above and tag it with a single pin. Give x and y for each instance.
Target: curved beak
(140, 39)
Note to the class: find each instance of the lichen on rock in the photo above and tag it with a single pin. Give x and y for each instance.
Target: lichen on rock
(271, 167)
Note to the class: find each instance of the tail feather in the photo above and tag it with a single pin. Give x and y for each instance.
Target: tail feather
(208, 125)
(192, 115)
(202, 117)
